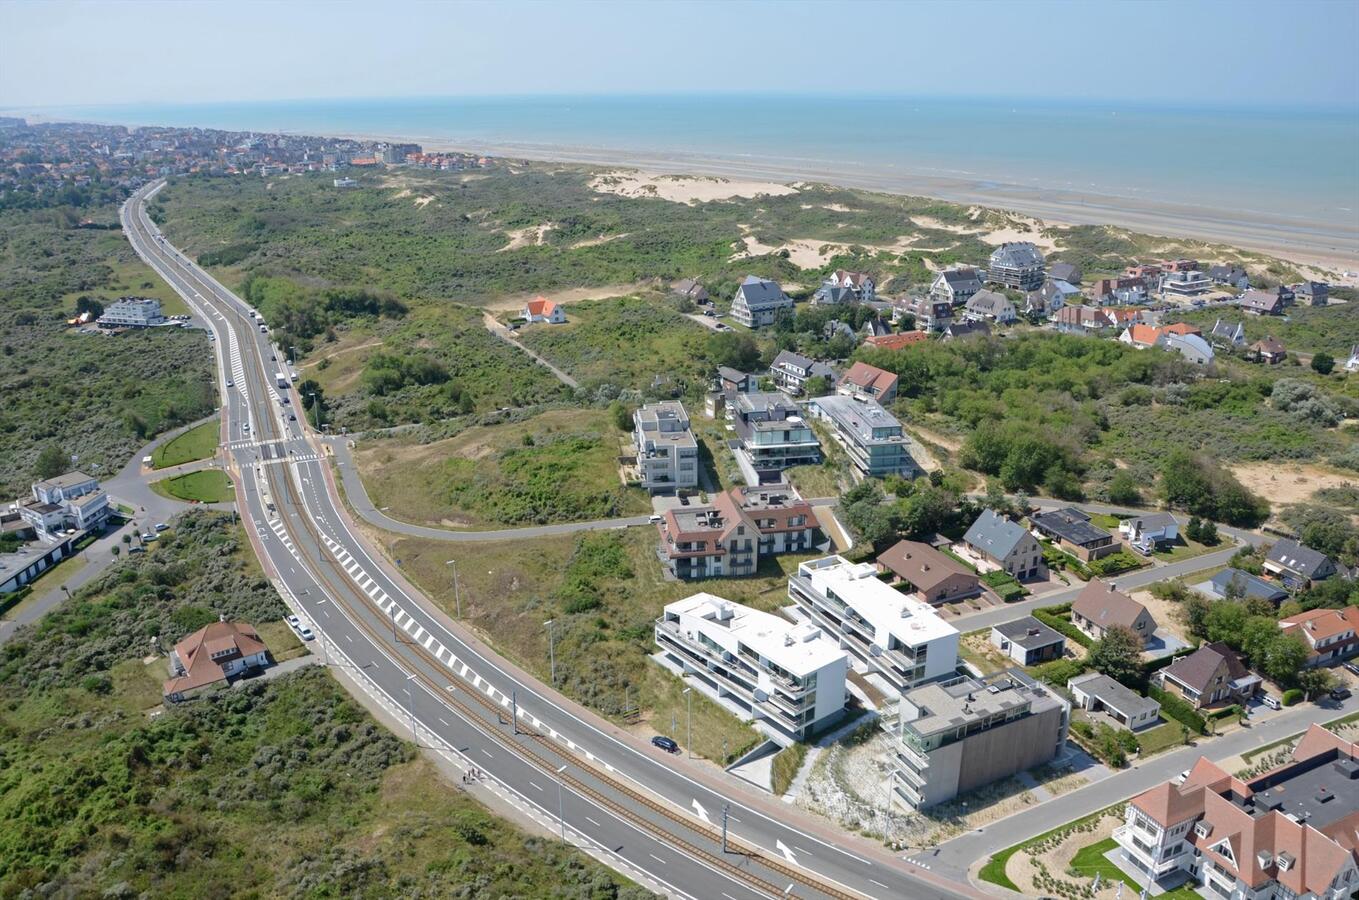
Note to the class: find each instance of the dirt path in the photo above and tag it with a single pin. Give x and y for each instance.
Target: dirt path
(570, 295)
(375, 342)
(503, 333)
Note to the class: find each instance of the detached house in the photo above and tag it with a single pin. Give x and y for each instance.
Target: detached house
(1227, 334)
(1028, 641)
(935, 576)
(955, 286)
(692, 290)
(1004, 544)
(758, 301)
(1232, 276)
(1269, 351)
(988, 306)
(1082, 320)
(1147, 532)
(1018, 265)
(1064, 271)
(791, 371)
(1073, 531)
(540, 310)
(1297, 565)
(1211, 675)
(1330, 634)
(930, 313)
(1099, 607)
(1313, 293)
(869, 383)
(1261, 303)
(214, 655)
(859, 284)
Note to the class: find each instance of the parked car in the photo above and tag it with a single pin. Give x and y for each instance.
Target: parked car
(161, 526)
(1341, 693)
(302, 627)
(665, 744)
(1350, 667)
(1271, 701)
(150, 536)
(654, 520)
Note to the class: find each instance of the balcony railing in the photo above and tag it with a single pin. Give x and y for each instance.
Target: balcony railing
(1124, 836)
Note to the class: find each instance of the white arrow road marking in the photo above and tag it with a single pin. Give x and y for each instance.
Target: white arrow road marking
(699, 809)
(788, 854)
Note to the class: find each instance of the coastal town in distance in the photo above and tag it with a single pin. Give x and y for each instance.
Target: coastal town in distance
(539, 505)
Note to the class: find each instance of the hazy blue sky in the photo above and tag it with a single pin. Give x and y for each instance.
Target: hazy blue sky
(1250, 53)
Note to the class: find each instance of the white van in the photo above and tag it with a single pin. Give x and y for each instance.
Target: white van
(1271, 701)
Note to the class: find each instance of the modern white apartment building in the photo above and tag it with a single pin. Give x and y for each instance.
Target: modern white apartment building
(667, 454)
(787, 678)
(133, 312)
(73, 500)
(871, 435)
(954, 736)
(897, 636)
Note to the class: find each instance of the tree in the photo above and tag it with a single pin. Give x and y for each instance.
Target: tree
(817, 386)
(1315, 681)
(621, 415)
(1208, 534)
(1123, 488)
(1323, 363)
(1226, 622)
(1118, 655)
(1195, 612)
(51, 462)
(1192, 528)
(1285, 658)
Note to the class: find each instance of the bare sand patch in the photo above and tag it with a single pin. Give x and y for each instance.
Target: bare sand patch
(331, 354)
(569, 295)
(1284, 483)
(1165, 612)
(422, 202)
(596, 241)
(836, 207)
(934, 224)
(998, 236)
(532, 236)
(404, 192)
(803, 254)
(687, 189)
(1025, 867)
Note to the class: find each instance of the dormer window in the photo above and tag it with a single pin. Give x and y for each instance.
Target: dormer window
(1203, 829)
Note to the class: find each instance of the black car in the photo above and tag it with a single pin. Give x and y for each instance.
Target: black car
(1350, 667)
(665, 744)
(1340, 693)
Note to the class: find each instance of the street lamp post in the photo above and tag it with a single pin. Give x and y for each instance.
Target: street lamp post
(457, 593)
(552, 650)
(561, 817)
(689, 723)
(410, 708)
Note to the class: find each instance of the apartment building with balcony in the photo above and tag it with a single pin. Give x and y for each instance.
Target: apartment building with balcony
(771, 435)
(895, 636)
(789, 679)
(133, 312)
(667, 453)
(1288, 833)
(954, 736)
(729, 536)
(872, 437)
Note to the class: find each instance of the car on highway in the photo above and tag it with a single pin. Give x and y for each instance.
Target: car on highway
(292, 418)
(665, 743)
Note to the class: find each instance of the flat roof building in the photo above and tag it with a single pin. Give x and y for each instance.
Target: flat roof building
(871, 436)
(771, 435)
(895, 635)
(667, 453)
(955, 736)
(788, 678)
(133, 312)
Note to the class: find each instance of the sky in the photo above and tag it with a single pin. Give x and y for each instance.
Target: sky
(1247, 53)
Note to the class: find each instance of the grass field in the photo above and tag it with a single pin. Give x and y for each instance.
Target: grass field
(279, 638)
(1166, 736)
(1089, 861)
(815, 481)
(48, 579)
(199, 442)
(1184, 548)
(205, 486)
(560, 466)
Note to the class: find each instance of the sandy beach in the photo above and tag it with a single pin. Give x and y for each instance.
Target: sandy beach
(1333, 248)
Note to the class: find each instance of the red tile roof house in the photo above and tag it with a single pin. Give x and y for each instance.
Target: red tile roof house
(1291, 832)
(1099, 607)
(1210, 676)
(1330, 634)
(728, 536)
(868, 383)
(899, 341)
(931, 574)
(541, 309)
(212, 656)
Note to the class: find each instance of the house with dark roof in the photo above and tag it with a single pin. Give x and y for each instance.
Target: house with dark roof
(1269, 351)
(957, 331)
(1073, 531)
(692, 290)
(1227, 334)
(1147, 531)
(1082, 320)
(956, 286)
(791, 371)
(771, 435)
(1261, 303)
(1098, 693)
(833, 295)
(212, 656)
(1243, 585)
(1232, 276)
(1018, 265)
(1065, 271)
(758, 301)
(1048, 300)
(868, 383)
(1312, 293)
(859, 284)
(935, 576)
(930, 313)
(736, 381)
(1099, 607)
(1210, 676)
(1297, 565)
(1005, 545)
(1028, 641)
(989, 306)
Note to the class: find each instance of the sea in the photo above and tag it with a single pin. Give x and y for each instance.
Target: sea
(1296, 165)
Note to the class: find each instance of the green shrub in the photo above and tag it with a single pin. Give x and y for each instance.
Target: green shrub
(1292, 696)
(1059, 671)
(1178, 709)
(1063, 625)
(1122, 561)
(787, 762)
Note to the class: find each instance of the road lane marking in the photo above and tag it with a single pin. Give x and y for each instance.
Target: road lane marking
(446, 725)
(593, 822)
(657, 858)
(534, 785)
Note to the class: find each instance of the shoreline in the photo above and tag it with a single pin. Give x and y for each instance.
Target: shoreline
(1302, 244)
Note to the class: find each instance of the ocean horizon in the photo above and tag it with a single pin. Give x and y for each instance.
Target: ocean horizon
(1297, 166)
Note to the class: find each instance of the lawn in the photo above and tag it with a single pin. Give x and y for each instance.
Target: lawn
(1166, 736)
(280, 640)
(603, 591)
(199, 442)
(815, 481)
(1186, 549)
(1089, 861)
(204, 486)
(559, 466)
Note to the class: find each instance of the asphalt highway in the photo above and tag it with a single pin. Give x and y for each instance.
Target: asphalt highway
(651, 816)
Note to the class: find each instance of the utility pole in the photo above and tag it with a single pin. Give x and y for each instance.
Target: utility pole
(689, 723)
(552, 650)
(410, 708)
(560, 816)
(726, 808)
(514, 710)
(457, 594)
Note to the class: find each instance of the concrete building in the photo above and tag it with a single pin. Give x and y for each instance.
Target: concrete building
(932, 313)
(1286, 833)
(1018, 265)
(789, 679)
(1004, 545)
(133, 312)
(1185, 283)
(871, 436)
(758, 301)
(955, 736)
(31, 560)
(791, 371)
(71, 501)
(1028, 641)
(771, 436)
(667, 453)
(955, 286)
(1098, 693)
(894, 635)
(729, 536)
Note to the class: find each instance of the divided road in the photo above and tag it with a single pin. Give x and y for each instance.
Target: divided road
(654, 817)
